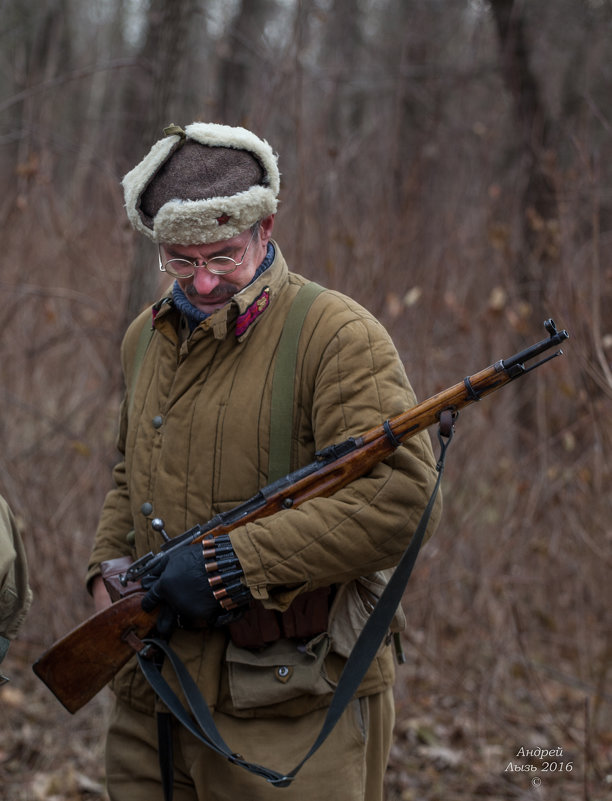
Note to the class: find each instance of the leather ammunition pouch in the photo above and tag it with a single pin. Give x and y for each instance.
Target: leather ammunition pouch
(305, 618)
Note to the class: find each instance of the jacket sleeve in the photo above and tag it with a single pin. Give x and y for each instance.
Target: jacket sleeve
(365, 527)
(116, 519)
(115, 524)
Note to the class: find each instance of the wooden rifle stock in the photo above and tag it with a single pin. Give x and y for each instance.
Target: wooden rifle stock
(81, 663)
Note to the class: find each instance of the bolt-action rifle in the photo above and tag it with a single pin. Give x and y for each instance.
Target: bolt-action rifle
(82, 662)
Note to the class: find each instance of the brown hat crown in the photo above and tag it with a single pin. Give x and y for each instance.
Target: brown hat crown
(207, 183)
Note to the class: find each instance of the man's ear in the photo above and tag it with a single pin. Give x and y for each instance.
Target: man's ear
(265, 228)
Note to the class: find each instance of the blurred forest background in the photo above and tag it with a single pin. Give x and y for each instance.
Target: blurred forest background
(449, 164)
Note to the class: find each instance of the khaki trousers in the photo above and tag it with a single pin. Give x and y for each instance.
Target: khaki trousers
(349, 766)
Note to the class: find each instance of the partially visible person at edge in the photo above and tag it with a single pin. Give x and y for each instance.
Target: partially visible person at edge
(15, 593)
(194, 440)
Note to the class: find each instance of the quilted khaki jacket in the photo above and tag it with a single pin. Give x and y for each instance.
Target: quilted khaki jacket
(15, 593)
(194, 439)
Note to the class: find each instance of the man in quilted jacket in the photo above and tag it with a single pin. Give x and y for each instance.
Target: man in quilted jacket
(198, 435)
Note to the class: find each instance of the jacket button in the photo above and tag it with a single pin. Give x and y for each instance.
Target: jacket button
(157, 421)
(146, 509)
(283, 673)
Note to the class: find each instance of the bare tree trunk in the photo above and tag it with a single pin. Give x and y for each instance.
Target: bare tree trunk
(240, 63)
(149, 107)
(540, 204)
(342, 52)
(539, 251)
(42, 53)
(102, 106)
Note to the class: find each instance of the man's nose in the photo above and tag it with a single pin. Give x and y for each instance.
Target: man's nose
(203, 281)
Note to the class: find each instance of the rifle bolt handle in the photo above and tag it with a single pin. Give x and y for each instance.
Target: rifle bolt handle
(157, 524)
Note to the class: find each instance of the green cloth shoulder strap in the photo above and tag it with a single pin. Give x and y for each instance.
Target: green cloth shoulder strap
(281, 423)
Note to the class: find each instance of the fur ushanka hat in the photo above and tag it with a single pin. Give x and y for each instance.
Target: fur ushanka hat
(203, 184)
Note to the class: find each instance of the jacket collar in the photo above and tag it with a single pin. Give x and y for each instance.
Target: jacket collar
(244, 310)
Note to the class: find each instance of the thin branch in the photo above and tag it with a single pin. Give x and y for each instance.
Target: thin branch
(59, 80)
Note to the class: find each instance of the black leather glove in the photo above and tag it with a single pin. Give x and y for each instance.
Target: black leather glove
(180, 586)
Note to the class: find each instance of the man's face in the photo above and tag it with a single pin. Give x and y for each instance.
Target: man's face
(208, 292)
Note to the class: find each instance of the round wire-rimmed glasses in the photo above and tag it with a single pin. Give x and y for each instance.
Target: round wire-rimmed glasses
(185, 268)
